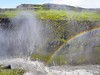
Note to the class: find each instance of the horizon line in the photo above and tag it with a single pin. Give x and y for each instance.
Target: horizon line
(46, 3)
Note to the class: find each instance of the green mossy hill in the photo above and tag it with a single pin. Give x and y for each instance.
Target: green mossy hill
(67, 15)
(52, 15)
(56, 14)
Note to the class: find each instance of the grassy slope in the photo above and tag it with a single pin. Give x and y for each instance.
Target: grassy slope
(57, 15)
(9, 14)
(63, 15)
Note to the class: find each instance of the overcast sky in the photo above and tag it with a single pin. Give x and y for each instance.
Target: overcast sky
(79, 3)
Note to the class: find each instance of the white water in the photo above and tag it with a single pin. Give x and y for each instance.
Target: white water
(23, 38)
(38, 68)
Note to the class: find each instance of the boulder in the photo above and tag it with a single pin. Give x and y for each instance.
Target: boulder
(5, 67)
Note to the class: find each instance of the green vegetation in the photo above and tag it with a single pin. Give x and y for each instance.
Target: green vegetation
(97, 54)
(89, 15)
(12, 72)
(52, 14)
(38, 7)
(41, 57)
(67, 15)
(81, 60)
(58, 60)
(57, 14)
(97, 48)
(9, 14)
(5, 71)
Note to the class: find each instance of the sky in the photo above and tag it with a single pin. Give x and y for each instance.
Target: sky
(77, 3)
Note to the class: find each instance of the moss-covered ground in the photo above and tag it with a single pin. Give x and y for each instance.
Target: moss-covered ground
(5, 71)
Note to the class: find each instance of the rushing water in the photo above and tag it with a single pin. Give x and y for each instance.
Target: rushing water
(38, 68)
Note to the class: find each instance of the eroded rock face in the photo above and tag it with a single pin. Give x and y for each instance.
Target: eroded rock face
(5, 23)
(83, 49)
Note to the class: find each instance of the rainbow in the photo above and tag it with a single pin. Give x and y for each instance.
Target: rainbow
(79, 34)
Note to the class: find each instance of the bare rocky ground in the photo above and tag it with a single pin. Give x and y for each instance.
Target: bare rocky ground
(38, 68)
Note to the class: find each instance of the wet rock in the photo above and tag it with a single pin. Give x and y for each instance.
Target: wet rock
(5, 23)
(5, 67)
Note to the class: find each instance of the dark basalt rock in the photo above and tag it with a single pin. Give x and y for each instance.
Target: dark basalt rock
(8, 67)
(5, 67)
(5, 23)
